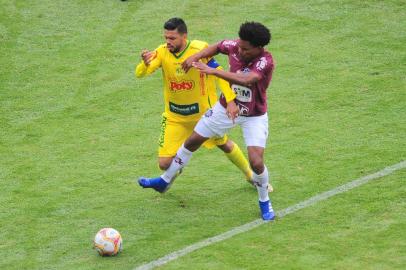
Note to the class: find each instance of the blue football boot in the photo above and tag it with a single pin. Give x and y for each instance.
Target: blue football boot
(267, 212)
(158, 184)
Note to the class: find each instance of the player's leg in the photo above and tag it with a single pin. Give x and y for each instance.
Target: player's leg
(183, 155)
(164, 162)
(172, 136)
(235, 155)
(218, 123)
(255, 131)
(206, 128)
(261, 181)
(167, 140)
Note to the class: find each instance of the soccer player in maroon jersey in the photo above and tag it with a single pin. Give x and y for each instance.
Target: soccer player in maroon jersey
(250, 74)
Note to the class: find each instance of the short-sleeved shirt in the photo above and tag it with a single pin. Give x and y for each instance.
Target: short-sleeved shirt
(251, 100)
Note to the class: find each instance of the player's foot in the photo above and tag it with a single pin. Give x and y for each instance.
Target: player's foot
(267, 212)
(156, 183)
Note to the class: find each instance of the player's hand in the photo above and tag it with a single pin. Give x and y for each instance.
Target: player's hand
(147, 56)
(188, 63)
(232, 110)
(203, 68)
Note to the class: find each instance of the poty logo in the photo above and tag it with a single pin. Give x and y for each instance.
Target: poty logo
(181, 86)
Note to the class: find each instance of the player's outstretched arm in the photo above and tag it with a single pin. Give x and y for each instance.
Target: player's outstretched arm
(205, 53)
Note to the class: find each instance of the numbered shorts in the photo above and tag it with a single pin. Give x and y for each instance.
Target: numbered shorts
(215, 123)
(174, 134)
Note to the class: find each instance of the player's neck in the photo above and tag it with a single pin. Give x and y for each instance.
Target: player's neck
(256, 56)
(183, 47)
(182, 50)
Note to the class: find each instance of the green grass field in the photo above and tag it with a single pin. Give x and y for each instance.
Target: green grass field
(77, 128)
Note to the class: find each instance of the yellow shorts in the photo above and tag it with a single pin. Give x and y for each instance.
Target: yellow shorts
(174, 134)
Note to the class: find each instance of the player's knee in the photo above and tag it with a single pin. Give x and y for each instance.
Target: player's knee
(194, 142)
(164, 164)
(227, 147)
(257, 165)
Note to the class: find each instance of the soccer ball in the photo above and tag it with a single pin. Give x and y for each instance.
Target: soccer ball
(108, 242)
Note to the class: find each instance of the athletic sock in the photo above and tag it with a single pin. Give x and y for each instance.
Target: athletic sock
(261, 182)
(179, 161)
(237, 157)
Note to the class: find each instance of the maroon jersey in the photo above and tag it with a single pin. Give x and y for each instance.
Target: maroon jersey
(251, 100)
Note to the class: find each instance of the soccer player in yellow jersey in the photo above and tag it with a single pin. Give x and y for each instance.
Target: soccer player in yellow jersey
(187, 97)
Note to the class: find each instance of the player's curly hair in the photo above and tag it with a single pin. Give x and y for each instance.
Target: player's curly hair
(176, 23)
(255, 33)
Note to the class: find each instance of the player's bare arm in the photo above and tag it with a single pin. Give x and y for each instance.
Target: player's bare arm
(205, 53)
(245, 79)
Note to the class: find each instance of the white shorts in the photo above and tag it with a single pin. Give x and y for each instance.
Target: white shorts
(215, 123)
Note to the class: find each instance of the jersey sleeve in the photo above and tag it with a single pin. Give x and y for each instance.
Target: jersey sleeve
(143, 70)
(263, 66)
(225, 46)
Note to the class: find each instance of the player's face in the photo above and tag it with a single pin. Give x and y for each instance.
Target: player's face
(248, 52)
(175, 41)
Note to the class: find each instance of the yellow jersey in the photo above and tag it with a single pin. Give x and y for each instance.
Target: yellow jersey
(186, 95)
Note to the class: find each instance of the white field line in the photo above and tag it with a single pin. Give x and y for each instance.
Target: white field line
(251, 225)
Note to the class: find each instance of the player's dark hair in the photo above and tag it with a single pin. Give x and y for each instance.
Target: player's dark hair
(255, 33)
(176, 23)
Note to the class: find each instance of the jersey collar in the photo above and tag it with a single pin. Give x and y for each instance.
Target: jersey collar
(182, 52)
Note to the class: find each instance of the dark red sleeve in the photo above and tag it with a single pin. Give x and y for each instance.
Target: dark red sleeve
(263, 67)
(225, 46)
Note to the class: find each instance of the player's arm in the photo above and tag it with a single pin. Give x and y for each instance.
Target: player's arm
(225, 88)
(208, 52)
(232, 109)
(150, 61)
(245, 79)
(223, 85)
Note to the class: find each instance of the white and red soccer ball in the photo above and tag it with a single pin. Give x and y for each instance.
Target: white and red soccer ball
(108, 242)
